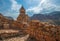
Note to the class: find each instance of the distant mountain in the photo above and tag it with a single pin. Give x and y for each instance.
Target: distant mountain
(53, 16)
(40, 17)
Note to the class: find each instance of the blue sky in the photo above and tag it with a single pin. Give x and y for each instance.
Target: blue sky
(11, 7)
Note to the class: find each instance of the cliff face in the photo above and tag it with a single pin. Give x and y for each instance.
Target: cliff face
(5, 21)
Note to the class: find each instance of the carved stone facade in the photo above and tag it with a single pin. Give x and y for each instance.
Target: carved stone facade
(22, 17)
(6, 25)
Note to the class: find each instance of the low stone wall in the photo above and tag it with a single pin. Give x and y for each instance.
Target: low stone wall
(8, 31)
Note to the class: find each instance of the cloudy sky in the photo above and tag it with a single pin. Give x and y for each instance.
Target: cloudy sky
(11, 7)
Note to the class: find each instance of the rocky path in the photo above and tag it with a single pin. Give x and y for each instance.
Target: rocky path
(13, 35)
(18, 38)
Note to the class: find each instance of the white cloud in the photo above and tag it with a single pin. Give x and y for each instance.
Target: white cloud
(14, 10)
(32, 1)
(44, 4)
(57, 8)
(36, 9)
(15, 6)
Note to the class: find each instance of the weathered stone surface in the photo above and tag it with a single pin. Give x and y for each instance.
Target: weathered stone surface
(17, 38)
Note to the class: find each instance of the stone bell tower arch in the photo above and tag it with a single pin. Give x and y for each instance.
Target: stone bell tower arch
(23, 17)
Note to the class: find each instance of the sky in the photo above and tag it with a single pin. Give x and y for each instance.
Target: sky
(11, 7)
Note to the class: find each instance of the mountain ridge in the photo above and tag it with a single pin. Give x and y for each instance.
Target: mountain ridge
(53, 16)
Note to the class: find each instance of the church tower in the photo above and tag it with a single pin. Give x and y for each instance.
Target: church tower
(22, 11)
(22, 16)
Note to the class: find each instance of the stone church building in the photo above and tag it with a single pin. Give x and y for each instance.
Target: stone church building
(6, 22)
(23, 17)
